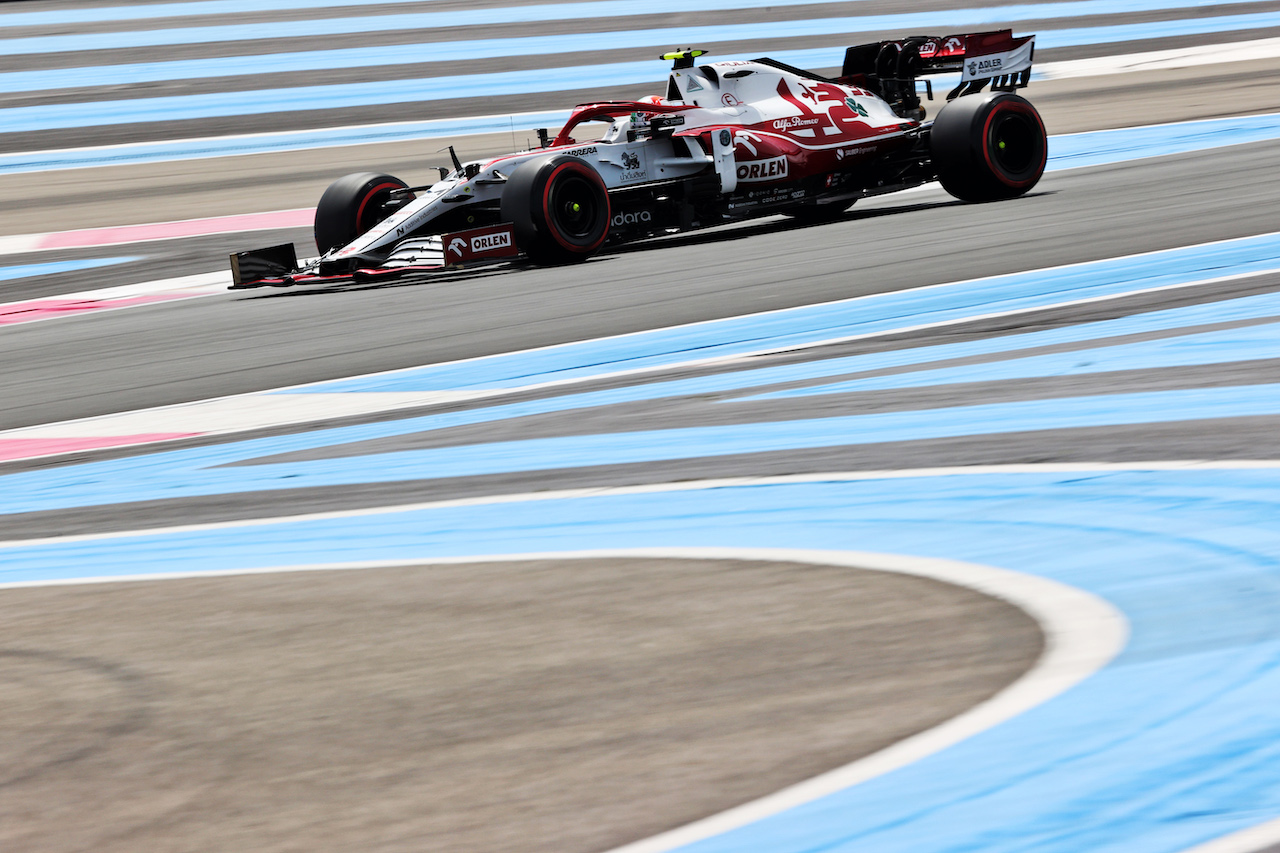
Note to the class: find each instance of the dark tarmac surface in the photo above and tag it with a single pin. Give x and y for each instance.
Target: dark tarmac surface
(540, 706)
(252, 340)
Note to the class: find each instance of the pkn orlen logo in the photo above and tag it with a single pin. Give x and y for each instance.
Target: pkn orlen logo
(485, 242)
(755, 171)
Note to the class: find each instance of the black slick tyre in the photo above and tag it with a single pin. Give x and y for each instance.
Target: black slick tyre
(558, 207)
(352, 205)
(989, 147)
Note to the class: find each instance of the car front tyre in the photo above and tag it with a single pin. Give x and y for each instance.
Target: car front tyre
(354, 204)
(558, 207)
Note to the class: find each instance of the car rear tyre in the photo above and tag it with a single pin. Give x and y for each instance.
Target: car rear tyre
(559, 208)
(354, 204)
(989, 147)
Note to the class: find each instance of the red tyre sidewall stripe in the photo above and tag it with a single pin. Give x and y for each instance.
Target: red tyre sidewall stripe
(368, 197)
(986, 149)
(546, 207)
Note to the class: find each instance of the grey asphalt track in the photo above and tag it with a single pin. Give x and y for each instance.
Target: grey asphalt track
(247, 341)
(546, 706)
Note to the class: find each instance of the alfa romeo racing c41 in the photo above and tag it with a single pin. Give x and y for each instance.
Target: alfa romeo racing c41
(727, 141)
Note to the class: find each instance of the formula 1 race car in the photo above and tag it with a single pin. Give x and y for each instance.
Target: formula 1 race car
(728, 141)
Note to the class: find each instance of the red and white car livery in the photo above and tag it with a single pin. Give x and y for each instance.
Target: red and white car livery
(727, 141)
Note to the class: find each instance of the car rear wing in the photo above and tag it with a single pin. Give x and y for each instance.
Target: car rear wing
(890, 68)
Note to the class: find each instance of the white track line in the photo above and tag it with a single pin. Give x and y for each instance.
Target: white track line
(1161, 60)
(205, 282)
(237, 414)
(1254, 838)
(1082, 634)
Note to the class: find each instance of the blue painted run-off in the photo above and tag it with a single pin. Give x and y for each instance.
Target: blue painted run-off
(1245, 308)
(53, 267)
(197, 472)
(1170, 746)
(591, 9)
(533, 81)
(149, 11)
(1217, 347)
(1065, 152)
(192, 473)
(806, 325)
(381, 56)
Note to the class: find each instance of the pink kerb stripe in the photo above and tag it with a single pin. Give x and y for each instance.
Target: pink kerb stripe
(27, 448)
(43, 309)
(302, 217)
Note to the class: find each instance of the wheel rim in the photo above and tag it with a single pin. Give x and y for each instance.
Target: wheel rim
(575, 206)
(1014, 144)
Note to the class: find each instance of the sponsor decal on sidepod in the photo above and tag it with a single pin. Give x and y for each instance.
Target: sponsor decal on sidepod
(631, 170)
(754, 171)
(841, 153)
(795, 121)
(621, 219)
